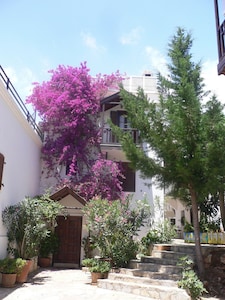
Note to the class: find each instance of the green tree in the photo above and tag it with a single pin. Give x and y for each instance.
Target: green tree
(171, 130)
(215, 124)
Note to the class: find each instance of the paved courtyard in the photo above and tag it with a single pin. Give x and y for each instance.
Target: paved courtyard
(61, 284)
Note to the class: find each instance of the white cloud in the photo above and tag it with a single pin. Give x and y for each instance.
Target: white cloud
(91, 42)
(212, 80)
(11, 74)
(21, 80)
(157, 60)
(132, 37)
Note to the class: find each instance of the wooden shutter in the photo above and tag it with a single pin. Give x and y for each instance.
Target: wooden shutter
(2, 159)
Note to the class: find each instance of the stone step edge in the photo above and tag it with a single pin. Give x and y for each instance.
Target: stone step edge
(159, 265)
(160, 261)
(141, 287)
(168, 282)
(130, 271)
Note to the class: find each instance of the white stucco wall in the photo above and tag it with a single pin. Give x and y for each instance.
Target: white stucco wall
(21, 147)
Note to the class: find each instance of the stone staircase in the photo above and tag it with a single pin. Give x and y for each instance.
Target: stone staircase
(152, 276)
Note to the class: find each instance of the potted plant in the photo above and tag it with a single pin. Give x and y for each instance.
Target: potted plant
(10, 268)
(27, 223)
(48, 246)
(99, 270)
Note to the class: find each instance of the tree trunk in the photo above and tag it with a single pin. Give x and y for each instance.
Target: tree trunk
(222, 207)
(198, 249)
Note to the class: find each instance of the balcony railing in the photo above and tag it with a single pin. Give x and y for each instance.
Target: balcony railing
(20, 103)
(220, 32)
(221, 48)
(109, 138)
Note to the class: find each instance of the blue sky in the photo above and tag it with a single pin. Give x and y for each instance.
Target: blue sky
(126, 35)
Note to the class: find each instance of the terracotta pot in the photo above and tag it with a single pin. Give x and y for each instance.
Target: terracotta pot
(22, 277)
(8, 280)
(105, 275)
(44, 262)
(95, 276)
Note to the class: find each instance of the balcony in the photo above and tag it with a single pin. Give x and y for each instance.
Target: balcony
(221, 49)
(220, 32)
(108, 138)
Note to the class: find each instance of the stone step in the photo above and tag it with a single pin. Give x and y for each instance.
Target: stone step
(149, 290)
(170, 269)
(159, 260)
(186, 248)
(170, 254)
(149, 274)
(137, 279)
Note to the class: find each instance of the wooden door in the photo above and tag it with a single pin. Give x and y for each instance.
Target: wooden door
(69, 233)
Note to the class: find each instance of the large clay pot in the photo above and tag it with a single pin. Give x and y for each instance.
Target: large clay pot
(22, 277)
(8, 280)
(44, 262)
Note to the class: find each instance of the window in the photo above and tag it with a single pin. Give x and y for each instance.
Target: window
(119, 118)
(2, 159)
(129, 180)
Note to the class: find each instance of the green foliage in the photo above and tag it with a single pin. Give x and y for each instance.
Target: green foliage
(178, 133)
(100, 266)
(88, 246)
(204, 226)
(89, 262)
(96, 265)
(159, 234)
(49, 245)
(12, 265)
(28, 223)
(190, 281)
(112, 226)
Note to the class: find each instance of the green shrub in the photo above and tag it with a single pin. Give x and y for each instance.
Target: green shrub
(161, 233)
(113, 226)
(89, 262)
(190, 281)
(12, 265)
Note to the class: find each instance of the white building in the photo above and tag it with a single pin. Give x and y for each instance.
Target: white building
(20, 148)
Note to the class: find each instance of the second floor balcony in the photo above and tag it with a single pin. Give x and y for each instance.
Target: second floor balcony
(108, 138)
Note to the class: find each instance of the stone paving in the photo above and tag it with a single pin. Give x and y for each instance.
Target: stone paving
(61, 284)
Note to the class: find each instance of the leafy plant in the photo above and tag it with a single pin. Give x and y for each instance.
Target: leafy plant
(89, 262)
(113, 225)
(100, 266)
(28, 223)
(49, 245)
(190, 281)
(159, 234)
(12, 265)
(88, 246)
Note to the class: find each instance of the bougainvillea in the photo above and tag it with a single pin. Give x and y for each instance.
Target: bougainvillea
(102, 180)
(69, 105)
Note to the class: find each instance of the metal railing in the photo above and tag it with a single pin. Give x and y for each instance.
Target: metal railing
(109, 138)
(10, 88)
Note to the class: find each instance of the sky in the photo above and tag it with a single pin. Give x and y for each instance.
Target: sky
(125, 35)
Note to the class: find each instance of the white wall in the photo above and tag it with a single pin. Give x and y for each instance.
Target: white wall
(21, 148)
